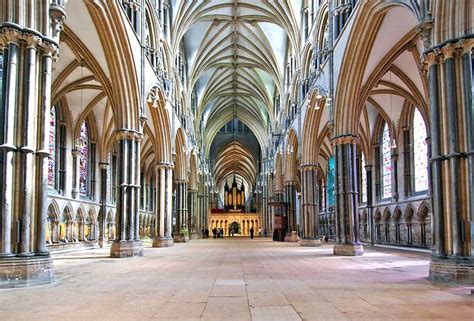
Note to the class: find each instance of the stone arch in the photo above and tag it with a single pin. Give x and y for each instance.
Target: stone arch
(409, 216)
(424, 225)
(181, 150)
(52, 231)
(159, 111)
(362, 38)
(291, 156)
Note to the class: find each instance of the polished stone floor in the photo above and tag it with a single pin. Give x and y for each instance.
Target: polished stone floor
(239, 279)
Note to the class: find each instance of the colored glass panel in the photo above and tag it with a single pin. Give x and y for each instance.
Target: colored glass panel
(363, 173)
(386, 163)
(83, 158)
(52, 147)
(420, 153)
(330, 186)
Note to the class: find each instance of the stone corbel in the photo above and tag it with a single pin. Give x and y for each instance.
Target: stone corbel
(57, 14)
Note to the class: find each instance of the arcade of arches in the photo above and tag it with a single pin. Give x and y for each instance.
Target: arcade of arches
(133, 122)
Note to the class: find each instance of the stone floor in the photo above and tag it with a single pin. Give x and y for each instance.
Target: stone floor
(239, 279)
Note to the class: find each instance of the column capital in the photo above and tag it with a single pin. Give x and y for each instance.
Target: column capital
(448, 51)
(181, 181)
(345, 139)
(310, 167)
(75, 152)
(164, 165)
(289, 183)
(128, 134)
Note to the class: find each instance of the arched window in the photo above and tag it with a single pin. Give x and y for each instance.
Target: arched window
(86, 162)
(420, 153)
(57, 150)
(363, 180)
(330, 186)
(386, 163)
(84, 159)
(52, 147)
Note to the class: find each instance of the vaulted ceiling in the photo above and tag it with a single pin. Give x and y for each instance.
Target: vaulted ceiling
(235, 54)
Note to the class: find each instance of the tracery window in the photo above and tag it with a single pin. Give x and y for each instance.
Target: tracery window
(57, 150)
(52, 147)
(386, 164)
(363, 180)
(83, 158)
(420, 153)
(330, 186)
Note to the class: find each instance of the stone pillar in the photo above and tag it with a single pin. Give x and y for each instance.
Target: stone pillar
(162, 237)
(450, 80)
(347, 197)
(181, 207)
(76, 172)
(126, 243)
(24, 151)
(290, 198)
(193, 224)
(103, 204)
(370, 207)
(310, 209)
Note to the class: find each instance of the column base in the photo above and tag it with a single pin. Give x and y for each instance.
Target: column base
(122, 249)
(163, 242)
(194, 236)
(348, 249)
(181, 239)
(19, 272)
(458, 271)
(310, 242)
(292, 238)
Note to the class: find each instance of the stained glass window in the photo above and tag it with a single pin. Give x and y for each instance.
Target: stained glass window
(386, 163)
(363, 179)
(420, 152)
(52, 147)
(83, 158)
(330, 187)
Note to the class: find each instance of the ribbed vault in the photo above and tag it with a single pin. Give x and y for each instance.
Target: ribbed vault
(235, 54)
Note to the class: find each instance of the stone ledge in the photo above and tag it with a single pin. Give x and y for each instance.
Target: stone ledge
(18, 272)
(458, 271)
(163, 242)
(348, 249)
(310, 242)
(123, 249)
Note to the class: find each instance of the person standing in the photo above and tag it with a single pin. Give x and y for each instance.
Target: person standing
(251, 232)
(259, 232)
(214, 233)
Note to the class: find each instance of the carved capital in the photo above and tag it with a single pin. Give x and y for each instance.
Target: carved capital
(345, 139)
(124, 134)
(32, 40)
(448, 51)
(10, 35)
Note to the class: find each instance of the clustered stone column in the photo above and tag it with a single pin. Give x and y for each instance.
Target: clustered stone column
(127, 242)
(452, 160)
(203, 203)
(24, 151)
(103, 204)
(310, 209)
(181, 207)
(290, 199)
(163, 210)
(193, 223)
(347, 197)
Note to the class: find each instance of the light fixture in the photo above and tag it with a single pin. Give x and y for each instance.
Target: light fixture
(394, 142)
